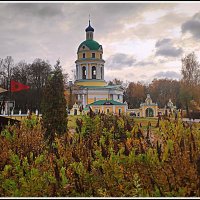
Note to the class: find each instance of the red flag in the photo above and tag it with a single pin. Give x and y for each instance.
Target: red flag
(16, 86)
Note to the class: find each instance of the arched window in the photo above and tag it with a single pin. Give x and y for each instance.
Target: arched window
(83, 55)
(84, 72)
(93, 72)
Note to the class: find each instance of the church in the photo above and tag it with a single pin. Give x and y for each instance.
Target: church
(92, 91)
(90, 88)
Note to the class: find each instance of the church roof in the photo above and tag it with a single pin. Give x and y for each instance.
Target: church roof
(89, 28)
(106, 102)
(91, 44)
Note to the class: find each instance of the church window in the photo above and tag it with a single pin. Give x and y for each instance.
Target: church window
(100, 56)
(83, 47)
(83, 55)
(93, 55)
(93, 72)
(107, 110)
(84, 72)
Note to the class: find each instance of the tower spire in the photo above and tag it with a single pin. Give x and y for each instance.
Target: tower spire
(89, 31)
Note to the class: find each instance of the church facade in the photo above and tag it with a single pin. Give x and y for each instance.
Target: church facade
(90, 86)
(92, 91)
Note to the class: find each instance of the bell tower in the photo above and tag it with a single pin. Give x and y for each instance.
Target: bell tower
(89, 63)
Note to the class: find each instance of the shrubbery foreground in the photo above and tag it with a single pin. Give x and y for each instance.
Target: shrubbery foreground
(106, 156)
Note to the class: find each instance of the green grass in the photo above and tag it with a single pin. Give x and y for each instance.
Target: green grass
(72, 121)
(144, 121)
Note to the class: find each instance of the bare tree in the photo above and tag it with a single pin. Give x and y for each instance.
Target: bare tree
(190, 82)
(190, 70)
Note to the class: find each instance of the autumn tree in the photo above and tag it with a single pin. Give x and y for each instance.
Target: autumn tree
(135, 94)
(71, 98)
(162, 90)
(54, 115)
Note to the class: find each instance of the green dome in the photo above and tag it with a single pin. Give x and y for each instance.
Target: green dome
(91, 44)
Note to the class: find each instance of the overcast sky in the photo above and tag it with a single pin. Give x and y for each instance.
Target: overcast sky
(141, 41)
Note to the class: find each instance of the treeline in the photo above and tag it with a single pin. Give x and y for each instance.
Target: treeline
(184, 93)
(160, 90)
(33, 74)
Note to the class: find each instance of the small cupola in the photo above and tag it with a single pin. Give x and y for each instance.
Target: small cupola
(89, 32)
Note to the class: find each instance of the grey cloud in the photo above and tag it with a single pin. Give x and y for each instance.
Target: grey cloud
(55, 30)
(166, 47)
(170, 51)
(163, 42)
(192, 26)
(167, 74)
(119, 61)
(35, 9)
(144, 63)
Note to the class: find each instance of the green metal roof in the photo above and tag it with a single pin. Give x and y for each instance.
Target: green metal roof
(91, 44)
(106, 102)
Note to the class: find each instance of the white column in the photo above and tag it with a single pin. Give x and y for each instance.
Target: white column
(114, 110)
(102, 72)
(80, 72)
(121, 98)
(98, 72)
(83, 96)
(77, 72)
(87, 71)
